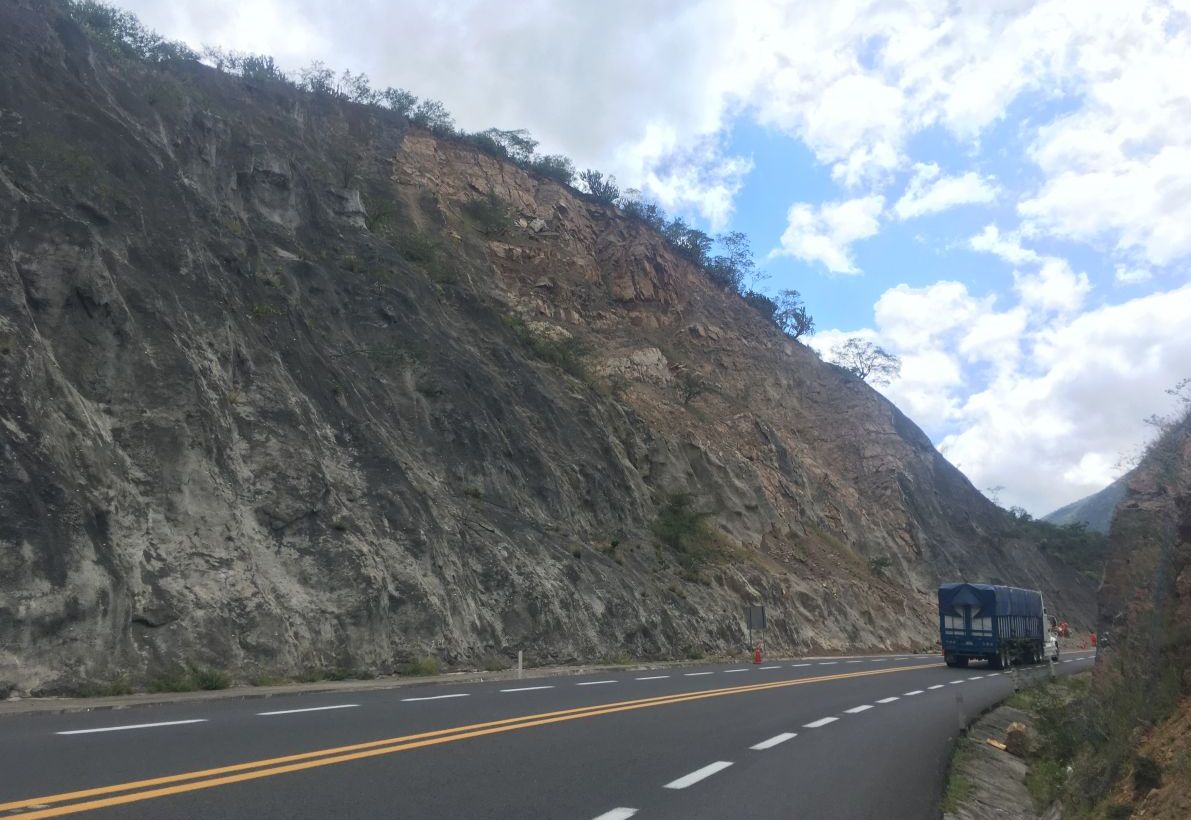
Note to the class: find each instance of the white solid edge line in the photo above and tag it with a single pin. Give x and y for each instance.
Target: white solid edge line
(694, 674)
(435, 697)
(768, 667)
(310, 709)
(650, 677)
(697, 775)
(726, 671)
(527, 688)
(131, 726)
(912, 694)
(937, 686)
(855, 710)
(773, 741)
(888, 700)
(593, 682)
(617, 814)
(815, 724)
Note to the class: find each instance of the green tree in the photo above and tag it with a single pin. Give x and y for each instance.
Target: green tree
(791, 315)
(602, 188)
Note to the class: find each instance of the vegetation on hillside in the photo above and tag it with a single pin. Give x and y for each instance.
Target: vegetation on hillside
(726, 259)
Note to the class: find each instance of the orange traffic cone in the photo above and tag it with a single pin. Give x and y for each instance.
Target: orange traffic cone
(757, 654)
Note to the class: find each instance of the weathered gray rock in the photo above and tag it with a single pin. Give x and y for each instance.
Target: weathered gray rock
(239, 428)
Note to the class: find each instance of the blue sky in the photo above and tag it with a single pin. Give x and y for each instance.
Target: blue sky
(999, 193)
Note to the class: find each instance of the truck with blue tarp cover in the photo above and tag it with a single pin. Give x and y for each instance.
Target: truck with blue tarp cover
(999, 624)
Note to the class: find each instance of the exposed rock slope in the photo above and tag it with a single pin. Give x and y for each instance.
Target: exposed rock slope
(277, 392)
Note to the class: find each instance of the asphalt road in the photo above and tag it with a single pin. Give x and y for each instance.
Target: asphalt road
(860, 737)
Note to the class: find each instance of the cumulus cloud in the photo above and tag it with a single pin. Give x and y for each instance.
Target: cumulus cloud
(1061, 397)
(1007, 247)
(825, 234)
(928, 192)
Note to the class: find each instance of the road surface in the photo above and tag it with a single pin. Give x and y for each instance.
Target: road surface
(858, 737)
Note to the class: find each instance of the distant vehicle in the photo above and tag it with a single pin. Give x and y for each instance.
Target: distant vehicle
(998, 624)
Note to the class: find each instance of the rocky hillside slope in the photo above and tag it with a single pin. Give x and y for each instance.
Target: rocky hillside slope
(1094, 511)
(286, 384)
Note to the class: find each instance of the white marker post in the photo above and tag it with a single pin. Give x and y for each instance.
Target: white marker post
(520, 661)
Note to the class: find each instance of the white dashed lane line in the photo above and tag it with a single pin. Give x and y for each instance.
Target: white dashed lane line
(310, 709)
(131, 726)
(912, 694)
(955, 682)
(435, 697)
(768, 667)
(617, 814)
(594, 682)
(694, 674)
(773, 741)
(977, 677)
(937, 686)
(527, 688)
(815, 724)
(726, 671)
(796, 665)
(888, 700)
(653, 677)
(855, 710)
(855, 661)
(828, 663)
(697, 775)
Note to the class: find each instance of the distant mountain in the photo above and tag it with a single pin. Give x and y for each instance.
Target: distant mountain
(1094, 510)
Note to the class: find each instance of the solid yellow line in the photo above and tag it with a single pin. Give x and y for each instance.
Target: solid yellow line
(344, 754)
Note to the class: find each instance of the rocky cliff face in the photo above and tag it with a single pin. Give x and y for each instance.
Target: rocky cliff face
(285, 384)
(1145, 598)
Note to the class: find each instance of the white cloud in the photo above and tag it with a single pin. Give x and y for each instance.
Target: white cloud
(930, 193)
(1055, 287)
(825, 234)
(1007, 246)
(1132, 276)
(1062, 395)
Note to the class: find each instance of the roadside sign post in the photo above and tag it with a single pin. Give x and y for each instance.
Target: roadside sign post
(754, 617)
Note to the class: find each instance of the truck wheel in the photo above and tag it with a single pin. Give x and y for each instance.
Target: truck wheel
(961, 662)
(997, 661)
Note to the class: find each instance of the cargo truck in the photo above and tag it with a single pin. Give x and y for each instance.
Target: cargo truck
(998, 624)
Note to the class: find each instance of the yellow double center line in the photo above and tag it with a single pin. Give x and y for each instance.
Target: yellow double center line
(138, 790)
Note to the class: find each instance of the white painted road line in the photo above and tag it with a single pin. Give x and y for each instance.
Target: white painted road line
(131, 726)
(977, 677)
(878, 660)
(594, 682)
(937, 686)
(773, 741)
(650, 677)
(697, 775)
(796, 665)
(726, 671)
(855, 710)
(888, 700)
(694, 674)
(992, 674)
(526, 688)
(912, 694)
(828, 663)
(955, 682)
(855, 661)
(820, 722)
(435, 697)
(617, 814)
(768, 667)
(311, 709)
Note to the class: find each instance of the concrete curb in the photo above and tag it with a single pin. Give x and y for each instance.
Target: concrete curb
(53, 706)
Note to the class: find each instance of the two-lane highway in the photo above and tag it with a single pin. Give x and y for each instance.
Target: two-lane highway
(829, 737)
